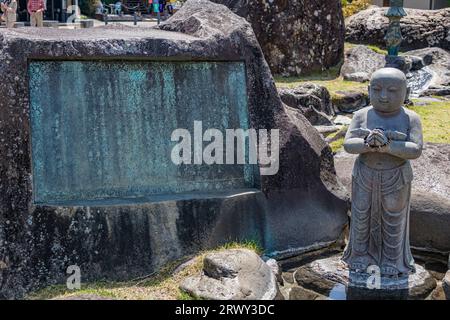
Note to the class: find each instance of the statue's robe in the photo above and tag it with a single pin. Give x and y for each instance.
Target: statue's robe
(379, 230)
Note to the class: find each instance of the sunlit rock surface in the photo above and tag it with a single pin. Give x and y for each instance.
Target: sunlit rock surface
(296, 36)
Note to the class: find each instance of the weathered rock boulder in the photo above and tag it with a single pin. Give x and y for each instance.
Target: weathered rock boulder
(274, 266)
(430, 218)
(420, 28)
(236, 274)
(437, 91)
(296, 36)
(359, 76)
(115, 238)
(432, 169)
(308, 94)
(438, 61)
(360, 62)
(297, 140)
(424, 68)
(342, 120)
(312, 100)
(430, 204)
(350, 101)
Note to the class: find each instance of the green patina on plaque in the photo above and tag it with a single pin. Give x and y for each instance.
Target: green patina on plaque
(102, 129)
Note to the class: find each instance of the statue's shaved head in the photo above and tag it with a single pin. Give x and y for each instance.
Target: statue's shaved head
(388, 89)
(389, 73)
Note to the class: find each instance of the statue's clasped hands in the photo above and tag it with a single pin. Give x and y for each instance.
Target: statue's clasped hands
(378, 139)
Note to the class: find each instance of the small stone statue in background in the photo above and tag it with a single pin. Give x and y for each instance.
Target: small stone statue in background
(393, 38)
(394, 34)
(385, 135)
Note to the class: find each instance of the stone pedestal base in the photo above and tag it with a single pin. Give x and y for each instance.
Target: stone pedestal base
(330, 274)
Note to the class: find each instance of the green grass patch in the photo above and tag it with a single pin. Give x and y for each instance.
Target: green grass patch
(163, 285)
(333, 85)
(337, 139)
(383, 51)
(435, 118)
(253, 245)
(378, 49)
(337, 145)
(99, 288)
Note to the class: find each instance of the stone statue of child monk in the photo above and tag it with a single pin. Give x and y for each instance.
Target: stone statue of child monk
(385, 135)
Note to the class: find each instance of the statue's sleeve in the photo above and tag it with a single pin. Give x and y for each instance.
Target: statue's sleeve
(412, 148)
(354, 130)
(415, 133)
(354, 138)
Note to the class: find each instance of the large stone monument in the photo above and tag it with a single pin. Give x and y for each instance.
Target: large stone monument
(86, 172)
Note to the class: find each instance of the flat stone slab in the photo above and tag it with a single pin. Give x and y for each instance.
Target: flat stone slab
(326, 275)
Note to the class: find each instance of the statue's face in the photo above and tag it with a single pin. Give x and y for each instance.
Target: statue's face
(388, 90)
